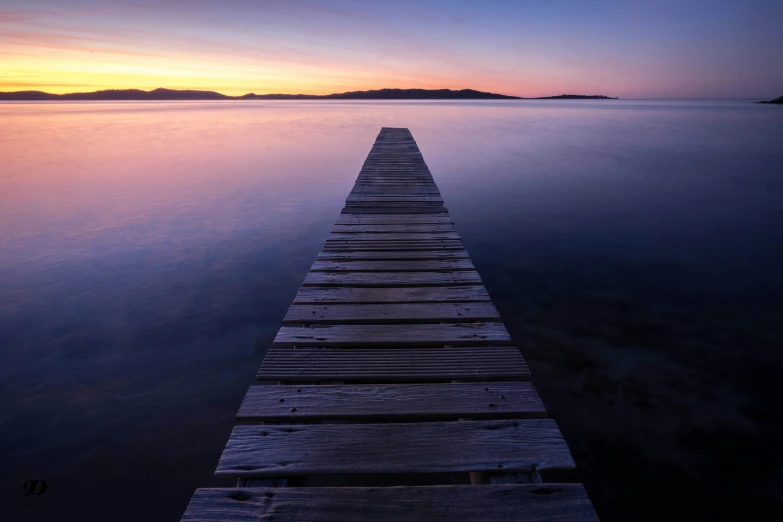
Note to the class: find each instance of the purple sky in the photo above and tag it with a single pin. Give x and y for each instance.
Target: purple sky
(661, 49)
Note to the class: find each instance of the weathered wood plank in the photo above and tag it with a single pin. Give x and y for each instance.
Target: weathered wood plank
(393, 206)
(528, 502)
(409, 335)
(404, 236)
(390, 313)
(410, 187)
(378, 365)
(389, 193)
(393, 191)
(390, 201)
(388, 198)
(384, 172)
(408, 163)
(376, 219)
(384, 200)
(389, 210)
(381, 219)
(387, 202)
(391, 402)
(422, 447)
(436, 294)
(393, 255)
(386, 175)
(414, 184)
(405, 187)
(381, 246)
(379, 279)
(399, 244)
(392, 266)
(394, 229)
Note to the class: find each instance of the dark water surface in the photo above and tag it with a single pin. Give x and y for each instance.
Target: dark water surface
(149, 251)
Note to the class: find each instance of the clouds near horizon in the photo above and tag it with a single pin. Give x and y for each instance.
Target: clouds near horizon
(723, 48)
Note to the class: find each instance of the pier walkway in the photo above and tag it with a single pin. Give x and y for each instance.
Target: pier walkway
(393, 391)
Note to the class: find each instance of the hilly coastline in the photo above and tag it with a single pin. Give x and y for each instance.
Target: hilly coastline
(575, 97)
(381, 94)
(776, 101)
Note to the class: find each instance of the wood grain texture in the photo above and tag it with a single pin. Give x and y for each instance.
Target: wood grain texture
(389, 210)
(392, 193)
(366, 335)
(399, 189)
(381, 246)
(391, 402)
(393, 255)
(380, 365)
(409, 313)
(379, 279)
(403, 236)
(394, 229)
(388, 177)
(395, 219)
(528, 503)
(375, 205)
(380, 198)
(421, 447)
(402, 188)
(433, 294)
(393, 266)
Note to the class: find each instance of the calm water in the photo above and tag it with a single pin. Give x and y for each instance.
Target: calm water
(148, 252)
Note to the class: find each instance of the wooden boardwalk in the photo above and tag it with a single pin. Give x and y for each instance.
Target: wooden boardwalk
(394, 378)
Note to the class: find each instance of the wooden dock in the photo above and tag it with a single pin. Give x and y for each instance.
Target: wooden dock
(394, 378)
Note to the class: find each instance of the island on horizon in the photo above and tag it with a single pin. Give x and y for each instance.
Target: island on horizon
(776, 101)
(380, 94)
(575, 97)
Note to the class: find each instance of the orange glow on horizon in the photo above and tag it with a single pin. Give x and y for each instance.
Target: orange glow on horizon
(72, 64)
(525, 49)
(60, 58)
(68, 72)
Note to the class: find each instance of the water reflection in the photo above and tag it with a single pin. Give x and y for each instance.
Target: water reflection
(149, 251)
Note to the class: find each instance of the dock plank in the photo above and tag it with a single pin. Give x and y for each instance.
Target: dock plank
(376, 209)
(383, 246)
(368, 295)
(434, 265)
(378, 365)
(382, 219)
(523, 502)
(390, 313)
(389, 198)
(398, 236)
(394, 229)
(393, 402)
(394, 255)
(513, 446)
(409, 335)
(378, 279)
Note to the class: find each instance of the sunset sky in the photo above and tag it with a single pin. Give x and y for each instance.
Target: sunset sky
(653, 49)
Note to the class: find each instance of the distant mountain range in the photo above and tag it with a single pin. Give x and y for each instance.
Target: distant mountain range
(776, 101)
(381, 94)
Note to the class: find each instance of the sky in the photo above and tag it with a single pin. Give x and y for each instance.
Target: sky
(631, 49)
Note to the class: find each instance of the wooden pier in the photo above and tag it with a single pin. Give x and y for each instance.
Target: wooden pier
(394, 378)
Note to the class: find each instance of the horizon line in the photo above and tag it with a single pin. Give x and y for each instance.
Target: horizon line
(350, 91)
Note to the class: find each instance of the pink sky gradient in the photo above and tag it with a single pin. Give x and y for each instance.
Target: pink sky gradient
(663, 49)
